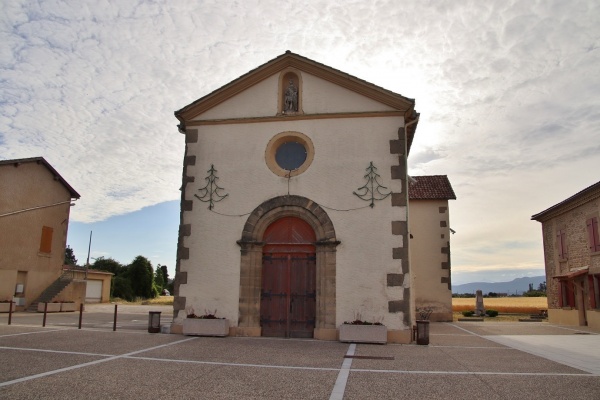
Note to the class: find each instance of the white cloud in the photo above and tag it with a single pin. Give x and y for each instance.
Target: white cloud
(507, 93)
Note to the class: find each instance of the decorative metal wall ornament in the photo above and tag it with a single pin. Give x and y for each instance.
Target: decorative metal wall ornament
(372, 190)
(210, 192)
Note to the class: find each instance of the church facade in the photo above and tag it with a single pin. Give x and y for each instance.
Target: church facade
(295, 207)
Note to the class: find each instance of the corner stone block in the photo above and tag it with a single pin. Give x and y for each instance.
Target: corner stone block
(395, 280)
(397, 306)
(399, 171)
(191, 136)
(397, 147)
(400, 253)
(185, 229)
(179, 303)
(398, 200)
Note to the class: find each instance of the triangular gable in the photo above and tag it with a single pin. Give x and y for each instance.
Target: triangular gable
(292, 60)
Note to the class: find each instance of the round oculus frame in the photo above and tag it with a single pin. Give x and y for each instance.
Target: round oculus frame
(289, 153)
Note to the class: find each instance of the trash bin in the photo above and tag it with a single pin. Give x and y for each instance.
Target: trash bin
(154, 322)
(423, 332)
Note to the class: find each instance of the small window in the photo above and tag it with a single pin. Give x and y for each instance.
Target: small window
(593, 239)
(46, 241)
(561, 244)
(290, 155)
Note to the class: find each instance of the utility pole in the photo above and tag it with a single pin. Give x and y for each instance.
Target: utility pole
(87, 263)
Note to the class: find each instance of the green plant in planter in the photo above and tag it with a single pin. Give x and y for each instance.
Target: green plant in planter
(359, 321)
(424, 313)
(207, 314)
(468, 313)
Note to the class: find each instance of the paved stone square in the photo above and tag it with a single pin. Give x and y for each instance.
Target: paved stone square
(464, 360)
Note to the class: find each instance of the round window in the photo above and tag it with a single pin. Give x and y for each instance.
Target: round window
(290, 155)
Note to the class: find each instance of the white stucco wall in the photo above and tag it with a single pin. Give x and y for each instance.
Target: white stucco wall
(344, 147)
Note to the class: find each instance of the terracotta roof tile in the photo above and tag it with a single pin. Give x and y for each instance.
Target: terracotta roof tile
(431, 187)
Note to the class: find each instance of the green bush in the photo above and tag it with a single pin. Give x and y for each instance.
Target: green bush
(121, 287)
(491, 313)
(468, 313)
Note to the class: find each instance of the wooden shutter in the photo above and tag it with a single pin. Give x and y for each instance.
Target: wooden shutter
(46, 241)
(591, 292)
(593, 239)
(561, 244)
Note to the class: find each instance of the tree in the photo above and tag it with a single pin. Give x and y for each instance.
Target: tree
(70, 257)
(141, 276)
(159, 280)
(165, 273)
(108, 265)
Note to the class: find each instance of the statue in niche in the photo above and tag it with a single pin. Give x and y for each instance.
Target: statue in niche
(290, 100)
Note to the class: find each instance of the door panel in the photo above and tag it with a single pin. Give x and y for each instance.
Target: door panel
(288, 295)
(302, 296)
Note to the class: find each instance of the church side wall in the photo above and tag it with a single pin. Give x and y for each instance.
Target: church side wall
(430, 257)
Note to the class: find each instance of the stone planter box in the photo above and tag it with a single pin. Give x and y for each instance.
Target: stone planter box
(68, 307)
(5, 307)
(363, 333)
(205, 327)
(52, 307)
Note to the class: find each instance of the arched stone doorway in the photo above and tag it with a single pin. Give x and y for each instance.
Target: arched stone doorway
(251, 262)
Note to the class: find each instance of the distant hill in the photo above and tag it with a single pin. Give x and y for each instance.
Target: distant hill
(516, 286)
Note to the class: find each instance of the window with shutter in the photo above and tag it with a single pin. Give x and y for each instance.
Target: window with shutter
(593, 239)
(46, 241)
(561, 244)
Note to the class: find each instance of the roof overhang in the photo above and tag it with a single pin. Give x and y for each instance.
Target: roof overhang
(572, 274)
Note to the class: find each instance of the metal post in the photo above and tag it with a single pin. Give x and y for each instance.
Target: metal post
(10, 312)
(80, 314)
(45, 310)
(115, 320)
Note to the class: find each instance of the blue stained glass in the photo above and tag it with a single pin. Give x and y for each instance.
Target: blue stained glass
(290, 155)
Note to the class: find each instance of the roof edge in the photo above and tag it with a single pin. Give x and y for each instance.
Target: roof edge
(42, 160)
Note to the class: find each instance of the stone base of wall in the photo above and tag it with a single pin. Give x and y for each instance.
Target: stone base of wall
(441, 316)
(563, 317)
(326, 334)
(593, 319)
(403, 336)
(177, 329)
(244, 331)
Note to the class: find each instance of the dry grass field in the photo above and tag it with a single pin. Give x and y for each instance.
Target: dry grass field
(512, 305)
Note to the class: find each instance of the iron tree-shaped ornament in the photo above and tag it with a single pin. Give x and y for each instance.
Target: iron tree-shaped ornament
(372, 190)
(210, 193)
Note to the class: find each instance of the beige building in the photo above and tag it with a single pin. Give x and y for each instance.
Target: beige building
(429, 226)
(35, 202)
(572, 258)
(295, 209)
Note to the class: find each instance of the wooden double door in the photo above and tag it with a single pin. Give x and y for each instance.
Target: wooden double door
(288, 293)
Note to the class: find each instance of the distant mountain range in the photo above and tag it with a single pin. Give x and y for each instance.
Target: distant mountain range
(516, 286)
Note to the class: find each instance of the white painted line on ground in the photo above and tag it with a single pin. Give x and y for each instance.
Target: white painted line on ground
(340, 384)
(394, 371)
(226, 364)
(31, 333)
(56, 371)
(77, 353)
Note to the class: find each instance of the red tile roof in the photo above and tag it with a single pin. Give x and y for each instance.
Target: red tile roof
(430, 188)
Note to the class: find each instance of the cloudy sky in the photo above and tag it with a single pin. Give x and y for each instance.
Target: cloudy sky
(508, 93)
